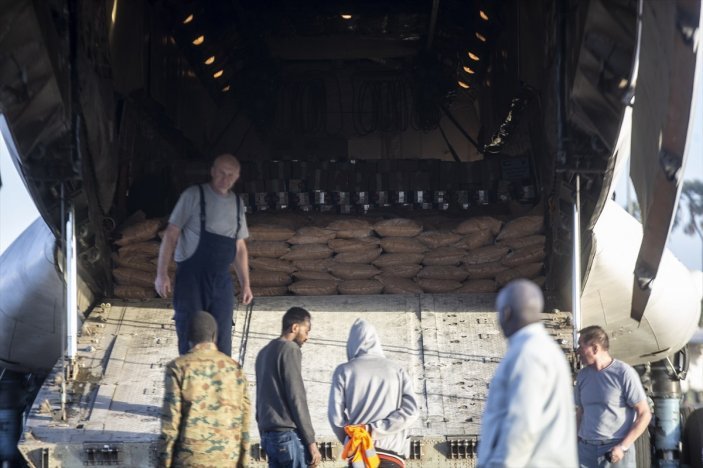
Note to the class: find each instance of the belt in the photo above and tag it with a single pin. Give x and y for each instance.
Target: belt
(599, 442)
(278, 431)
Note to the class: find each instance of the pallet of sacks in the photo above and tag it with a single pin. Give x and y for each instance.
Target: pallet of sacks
(135, 259)
(346, 255)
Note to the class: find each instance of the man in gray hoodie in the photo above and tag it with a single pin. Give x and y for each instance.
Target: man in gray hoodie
(374, 391)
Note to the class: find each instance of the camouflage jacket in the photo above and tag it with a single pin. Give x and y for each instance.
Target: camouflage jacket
(205, 417)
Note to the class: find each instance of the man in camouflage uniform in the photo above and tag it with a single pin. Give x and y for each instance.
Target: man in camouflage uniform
(205, 417)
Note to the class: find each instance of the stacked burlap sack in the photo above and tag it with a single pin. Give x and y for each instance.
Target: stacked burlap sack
(346, 255)
(134, 262)
(326, 255)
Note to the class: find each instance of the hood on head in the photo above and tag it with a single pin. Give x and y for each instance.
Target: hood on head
(363, 339)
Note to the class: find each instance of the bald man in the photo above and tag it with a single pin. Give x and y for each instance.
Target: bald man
(529, 417)
(207, 230)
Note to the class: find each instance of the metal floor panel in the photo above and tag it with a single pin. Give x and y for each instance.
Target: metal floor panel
(450, 344)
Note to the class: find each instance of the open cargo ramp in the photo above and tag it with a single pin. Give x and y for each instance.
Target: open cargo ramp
(449, 343)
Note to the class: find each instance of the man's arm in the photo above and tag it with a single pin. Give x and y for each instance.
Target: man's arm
(519, 431)
(170, 416)
(245, 448)
(401, 418)
(241, 266)
(579, 415)
(636, 430)
(336, 405)
(297, 400)
(168, 245)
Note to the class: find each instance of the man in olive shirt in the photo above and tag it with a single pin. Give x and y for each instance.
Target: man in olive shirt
(281, 404)
(205, 417)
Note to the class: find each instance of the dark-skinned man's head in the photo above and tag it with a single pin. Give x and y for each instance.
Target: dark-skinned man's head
(519, 304)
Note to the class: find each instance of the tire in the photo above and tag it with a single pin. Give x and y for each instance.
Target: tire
(692, 439)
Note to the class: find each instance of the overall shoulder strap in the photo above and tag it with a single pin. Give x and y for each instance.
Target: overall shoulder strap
(202, 208)
(239, 223)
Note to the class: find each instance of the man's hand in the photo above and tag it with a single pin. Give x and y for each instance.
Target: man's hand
(616, 454)
(246, 295)
(163, 285)
(315, 454)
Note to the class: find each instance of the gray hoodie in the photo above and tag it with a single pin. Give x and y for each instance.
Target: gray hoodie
(370, 389)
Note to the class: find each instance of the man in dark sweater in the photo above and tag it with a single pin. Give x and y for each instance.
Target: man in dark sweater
(281, 404)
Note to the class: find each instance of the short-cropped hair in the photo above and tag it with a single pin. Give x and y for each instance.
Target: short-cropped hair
(294, 315)
(202, 328)
(595, 334)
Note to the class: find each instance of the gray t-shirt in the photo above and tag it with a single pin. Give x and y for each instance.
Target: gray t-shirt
(220, 211)
(607, 398)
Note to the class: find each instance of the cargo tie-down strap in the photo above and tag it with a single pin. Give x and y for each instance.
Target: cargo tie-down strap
(245, 332)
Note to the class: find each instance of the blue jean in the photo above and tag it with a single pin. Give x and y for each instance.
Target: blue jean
(593, 456)
(284, 449)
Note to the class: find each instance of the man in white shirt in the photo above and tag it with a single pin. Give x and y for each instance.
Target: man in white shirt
(529, 416)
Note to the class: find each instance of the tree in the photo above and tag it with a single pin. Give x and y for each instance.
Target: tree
(690, 210)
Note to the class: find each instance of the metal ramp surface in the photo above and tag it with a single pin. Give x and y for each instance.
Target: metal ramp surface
(450, 344)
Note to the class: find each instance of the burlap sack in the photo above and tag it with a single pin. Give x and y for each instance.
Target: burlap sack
(368, 286)
(442, 272)
(353, 245)
(269, 291)
(313, 275)
(131, 277)
(479, 223)
(484, 270)
(521, 227)
(488, 254)
(478, 286)
(172, 265)
(527, 271)
(314, 265)
(475, 240)
(354, 271)
(402, 245)
(134, 292)
(137, 262)
(402, 271)
(444, 256)
(308, 252)
(529, 254)
(263, 278)
(270, 232)
(313, 288)
(367, 256)
(312, 235)
(350, 228)
(267, 249)
(397, 227)
(436, 239)
(433, 286)
(141, 231)
(271, 264)
(149, 249)
(520, 242)
(397, 285)
(389, 260)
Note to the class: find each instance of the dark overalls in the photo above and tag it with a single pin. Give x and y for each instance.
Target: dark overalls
(203, 282)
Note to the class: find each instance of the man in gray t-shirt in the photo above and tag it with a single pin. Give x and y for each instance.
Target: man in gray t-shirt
(611, 405)
(207, 230)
